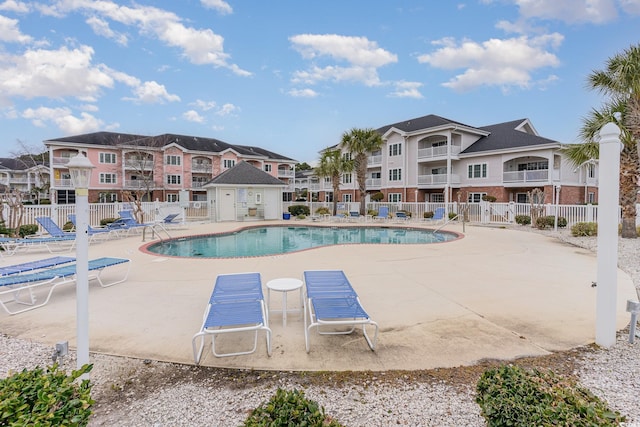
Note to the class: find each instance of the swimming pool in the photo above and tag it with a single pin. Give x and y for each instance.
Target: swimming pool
(276, 240)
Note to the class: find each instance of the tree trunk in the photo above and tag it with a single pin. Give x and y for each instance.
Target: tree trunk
(629, 172)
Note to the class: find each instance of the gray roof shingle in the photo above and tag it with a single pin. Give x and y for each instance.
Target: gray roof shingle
(505, 136)
(244, 173)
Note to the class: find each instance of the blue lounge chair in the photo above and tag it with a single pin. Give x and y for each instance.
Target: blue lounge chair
(127, 222)
(96, 232)
(383, 214)
(52, 244)
(41, 264)
(15, 285)
(354, 216)
(236, 305)
(52, 228)
(438, 216)
(332, 302)
(401, 217)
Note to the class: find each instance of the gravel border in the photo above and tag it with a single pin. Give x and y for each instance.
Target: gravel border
(133, 392)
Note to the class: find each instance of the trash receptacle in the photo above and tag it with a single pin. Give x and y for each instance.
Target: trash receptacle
(286, 215)
(253, 211)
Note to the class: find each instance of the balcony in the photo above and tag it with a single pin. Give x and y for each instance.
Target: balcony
(371, 183)
(62, 183)
(440, 151)
(60, 161)
(139, 164)
(201, 167)
(438, 180)
(374, 161)
(198, 184)
(536, 176)
(285, 173)
(137, 184)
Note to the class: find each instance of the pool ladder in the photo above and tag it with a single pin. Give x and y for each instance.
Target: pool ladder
(155, 232)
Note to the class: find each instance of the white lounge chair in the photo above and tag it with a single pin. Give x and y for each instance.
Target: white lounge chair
(332, 302)
(236, 305)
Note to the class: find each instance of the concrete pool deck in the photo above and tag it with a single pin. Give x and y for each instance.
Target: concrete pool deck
(494, 294)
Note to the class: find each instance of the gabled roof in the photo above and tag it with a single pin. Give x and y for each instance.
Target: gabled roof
(100, 138)
(244, 174)
(18, 164)
(420, 123)
(509, 135)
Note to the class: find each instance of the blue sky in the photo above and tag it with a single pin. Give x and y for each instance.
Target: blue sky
(292, 76)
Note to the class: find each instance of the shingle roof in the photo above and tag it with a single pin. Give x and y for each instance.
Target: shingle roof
(17, 164)
(505, 136)
(424, 122)
(100, 138)
(245, 174)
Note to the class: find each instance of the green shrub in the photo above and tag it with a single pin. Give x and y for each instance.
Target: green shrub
(510, 396)
(296, 210)
(106, 221)
(45, 201)
(452, 215)
(377, 197)
(372, 212)
(523, 219)
(28, 230)
(51, 398)
(428, 214)
(322, 211)
(301, 216)
(407, 213)
(488, 198)
(549, 221)
(584, 229)
(289, 408)
(68, 226)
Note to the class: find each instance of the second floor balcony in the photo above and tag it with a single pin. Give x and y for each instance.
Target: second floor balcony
(536, 176)
(372, 183)
(374, 160)
(139, 164)
(437, 180)
(439, 151)
(201, 167)
(285, 173)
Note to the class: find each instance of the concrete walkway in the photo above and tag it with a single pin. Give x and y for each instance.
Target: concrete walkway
(496, 293)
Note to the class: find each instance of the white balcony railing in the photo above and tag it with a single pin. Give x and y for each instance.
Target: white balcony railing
(438, 179)
(62, 183)
(139, 184)
(526, 176)
(287, 173)
(373, 182)
(201, 167)
(374, 160)
(60, 161)
(139, 164)
(440, 151)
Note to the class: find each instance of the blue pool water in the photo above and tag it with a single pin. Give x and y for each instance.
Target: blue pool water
(274, 240)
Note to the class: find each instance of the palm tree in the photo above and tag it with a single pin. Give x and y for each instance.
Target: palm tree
(333, 164)
(621, 81)
(360, 143)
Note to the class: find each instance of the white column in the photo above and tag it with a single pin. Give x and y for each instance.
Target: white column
(608, 212)
(82, 276)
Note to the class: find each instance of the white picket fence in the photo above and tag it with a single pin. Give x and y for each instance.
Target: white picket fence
(483, 213)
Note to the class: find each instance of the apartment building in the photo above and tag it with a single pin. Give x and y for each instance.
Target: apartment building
(24, 175)
(434, 159)
(154, 167)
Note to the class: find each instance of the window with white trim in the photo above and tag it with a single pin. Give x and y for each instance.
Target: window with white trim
(394, 197)
(107, 158)
(228, 163)
(534, 166)
(327, 180)
(267, 168)
(376, 175)
(395, 150)
(172, 198)
(328, 196)
(478, 170)
(174, 179)
(437, 197)
(173, 160)
(347, 178)
(591, 197)
(591, 170)
(107, 197)
(347, 198)
(395, 174)
(439, 171)
(347, 157)
(108, 178)
(475, 197)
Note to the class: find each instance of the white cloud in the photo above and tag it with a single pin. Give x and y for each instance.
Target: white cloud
(193, 116)
(362, 57)
(221, 6)
(407, 90)
(14, 6)
(631, 7)
(495, 62)
(227, 109)
(199, 46)
(204, 105)
(101, 27)
(570, 11)
(63, 119)
(152, 93)
(53, 74)
(9, 31)
(303, 93)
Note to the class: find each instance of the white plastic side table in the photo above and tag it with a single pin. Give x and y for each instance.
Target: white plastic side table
(284, 285)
